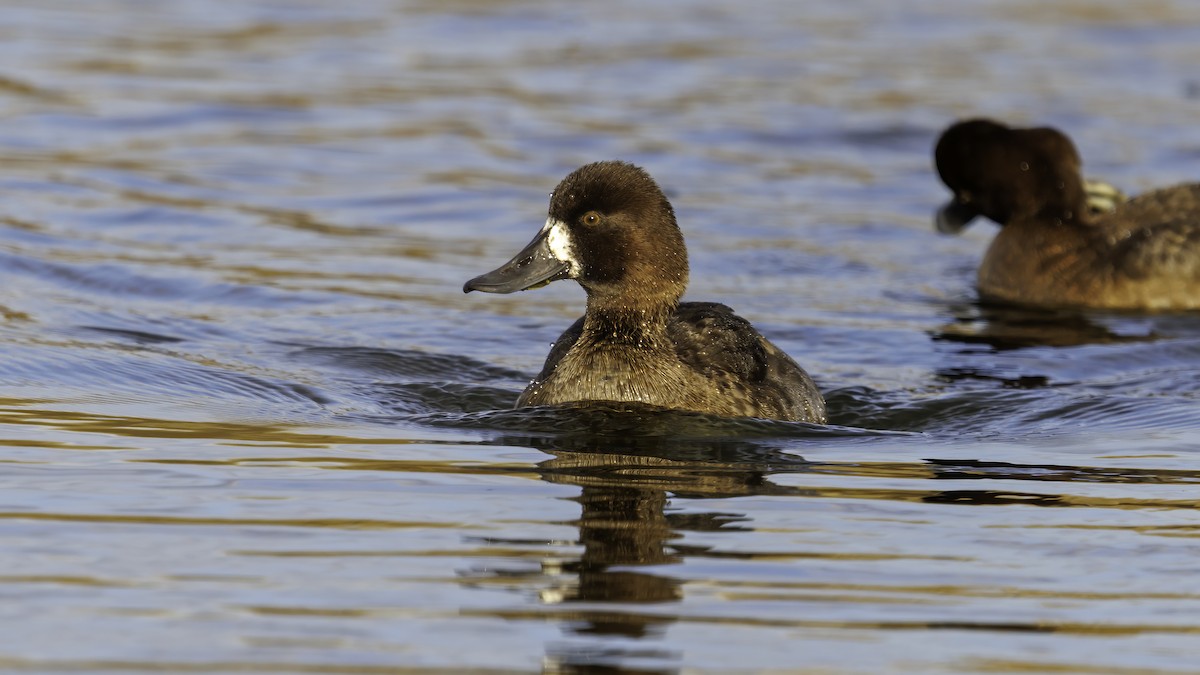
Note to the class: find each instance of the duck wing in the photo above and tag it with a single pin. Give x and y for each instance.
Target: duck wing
(560, 348)
(727, 350)
(712, 340)
(708, 337)
(1159, 234)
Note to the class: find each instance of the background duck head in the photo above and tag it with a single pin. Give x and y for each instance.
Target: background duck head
(1006, 174)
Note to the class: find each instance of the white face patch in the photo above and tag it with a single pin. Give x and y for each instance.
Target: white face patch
(559, 241)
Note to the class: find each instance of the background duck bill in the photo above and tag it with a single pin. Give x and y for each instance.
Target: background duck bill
(954, 217)
(534, 266)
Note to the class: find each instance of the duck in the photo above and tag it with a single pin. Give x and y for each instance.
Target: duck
(1066, 242)
(610, 228)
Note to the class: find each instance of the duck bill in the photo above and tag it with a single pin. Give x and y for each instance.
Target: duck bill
(536, 265)
(954, 217)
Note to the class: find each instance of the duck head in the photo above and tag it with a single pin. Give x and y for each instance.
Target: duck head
(611, 229)
(1005, 174)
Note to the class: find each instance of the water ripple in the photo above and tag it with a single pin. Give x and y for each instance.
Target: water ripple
(250, 422)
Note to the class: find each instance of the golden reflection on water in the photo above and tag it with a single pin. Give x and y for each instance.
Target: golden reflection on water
(17, 411)
(154, 666)
(624, 524)
(1015, 666)
(1067, 627)
(615, 577)
(70, 581)
(334, 523)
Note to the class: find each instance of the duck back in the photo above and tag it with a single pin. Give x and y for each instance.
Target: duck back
(712, 361)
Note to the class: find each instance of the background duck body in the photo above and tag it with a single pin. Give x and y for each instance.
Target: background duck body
(1143, 256)
(1053, 250)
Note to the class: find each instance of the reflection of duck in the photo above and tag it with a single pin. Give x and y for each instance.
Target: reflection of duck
(624, 528)
(1004, 327)
(640, 498)
(611, 229)
(1054, 251)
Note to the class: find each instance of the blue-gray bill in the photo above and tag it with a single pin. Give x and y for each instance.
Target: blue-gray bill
(535, 265)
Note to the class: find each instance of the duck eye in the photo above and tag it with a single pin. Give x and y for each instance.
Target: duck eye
(590, 218)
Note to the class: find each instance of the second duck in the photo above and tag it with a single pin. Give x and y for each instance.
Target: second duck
(1053, 250)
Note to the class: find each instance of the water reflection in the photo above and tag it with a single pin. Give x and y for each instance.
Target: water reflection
(1008, 327)
(641, 479)
(626, 483)
(626, 529)
(628, 467)
(631, 536)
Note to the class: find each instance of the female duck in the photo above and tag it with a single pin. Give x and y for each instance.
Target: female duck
(1053, 250)
(611, 229)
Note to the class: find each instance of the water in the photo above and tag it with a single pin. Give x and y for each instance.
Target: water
(250, 422)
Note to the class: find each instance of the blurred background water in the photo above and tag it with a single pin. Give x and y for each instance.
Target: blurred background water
(251, 423)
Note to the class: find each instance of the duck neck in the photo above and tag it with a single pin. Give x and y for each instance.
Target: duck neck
(1072, 217)
(640, 326)
(1067, 207)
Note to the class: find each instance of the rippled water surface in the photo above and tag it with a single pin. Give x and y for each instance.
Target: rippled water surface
(251, 423)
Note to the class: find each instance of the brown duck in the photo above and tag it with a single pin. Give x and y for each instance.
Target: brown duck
(611, 229)
(1053, 250)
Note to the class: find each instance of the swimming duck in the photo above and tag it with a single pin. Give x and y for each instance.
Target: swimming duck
(1057, 245)
(611, 229)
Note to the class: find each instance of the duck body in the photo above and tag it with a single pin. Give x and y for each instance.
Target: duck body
(1143, 256)
(1052, 249)
(705, 358)
(611, 229)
